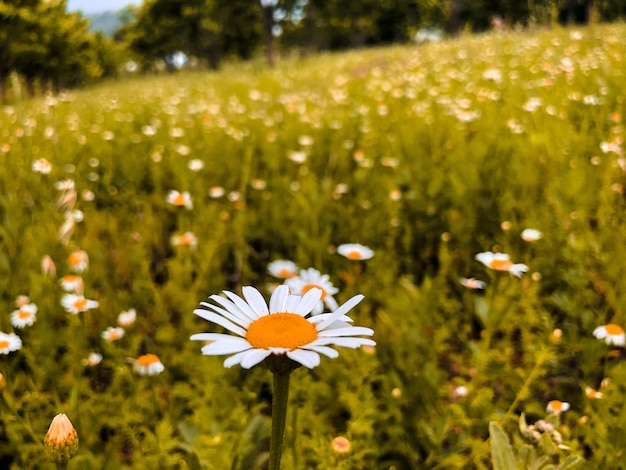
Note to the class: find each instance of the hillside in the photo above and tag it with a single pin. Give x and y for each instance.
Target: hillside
(107, 22)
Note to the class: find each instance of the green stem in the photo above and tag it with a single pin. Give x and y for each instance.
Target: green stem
(279, 417)
(62, 465)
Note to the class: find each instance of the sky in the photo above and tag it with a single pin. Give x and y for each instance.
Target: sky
(99, 6)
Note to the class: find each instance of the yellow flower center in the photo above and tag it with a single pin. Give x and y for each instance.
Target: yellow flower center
(179, 200)
(147, 360)
(281, 330)
(556, 405)
(307, 287)
(4, 345)
(500, 264)
(80, 304)
(354, 255)
(285, 273)
(75, 258)
(23, 314)
(614, 330)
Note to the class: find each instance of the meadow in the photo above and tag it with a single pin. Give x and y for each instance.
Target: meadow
(428, 155)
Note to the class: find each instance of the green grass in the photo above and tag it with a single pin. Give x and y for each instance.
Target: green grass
(449, 129)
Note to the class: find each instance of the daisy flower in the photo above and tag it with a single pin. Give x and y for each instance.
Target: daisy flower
(113, 333)
(611, 334)
(282, 269)
(48, 268)
(355, 251)
(309, 279)
(501, 262)
(72, 283)
(531, 235)
(77, 303)
(93, 359)
(592, 394)
(9, 342)
(341, 445)
(557, 407)
(24, 316)
(42, 166)
(127, 317)
(281, 329)
(148, 364)
(472, 283)
(22, 300)
(186, 239)
(179, 199)
(78, 261)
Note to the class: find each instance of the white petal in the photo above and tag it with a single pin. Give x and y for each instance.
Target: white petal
(279, 299)
(323, 316)
(235, 359)
(342, 310)
(231, 307)
(292, 303)
(237, 319)
(345, 342)
(255, 300)
(330, 352)
(331, 303)
(242, 305)
(224, 346)
(308, 359)
(219, 320)
(307, 302)
(254, 357)
(210, 337)
(349, 331)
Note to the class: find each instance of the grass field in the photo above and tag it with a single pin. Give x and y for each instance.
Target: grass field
(427, 155)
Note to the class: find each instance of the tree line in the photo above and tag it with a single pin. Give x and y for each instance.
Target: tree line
(44, 44)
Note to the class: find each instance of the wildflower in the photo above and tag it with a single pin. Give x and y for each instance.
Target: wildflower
(556, 335)
(341, 445)
(148, 364)
(282, 269)
(22, 300)
(557, 407)
(61, 441)
(216, 192)
(501, 262)
(42, 166)
(195, 164)
(611, 334)
(72, 283)
(75, 304)
(531, 235)
(593, 394)
(472, 283)
(24, 316)
(179, 199)
(113, 333)
(93, 359)
(355, 251)
(186, 239)
(312, 279)
(47, 266)
(281, 329)
(9, 342)
(78, 261)
(127, 317)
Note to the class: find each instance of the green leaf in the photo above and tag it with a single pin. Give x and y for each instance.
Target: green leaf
(502, 455)
(570, 462)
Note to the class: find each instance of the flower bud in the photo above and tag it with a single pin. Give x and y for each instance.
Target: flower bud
(61, 441)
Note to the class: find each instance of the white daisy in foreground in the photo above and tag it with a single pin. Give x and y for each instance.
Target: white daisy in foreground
(355, 251)
(281, 329)
(9, 342)
(148, 364)
(612, 334)
(501, 262)
(312, 279)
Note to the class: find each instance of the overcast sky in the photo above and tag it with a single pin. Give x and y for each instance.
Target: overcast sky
(99, 6)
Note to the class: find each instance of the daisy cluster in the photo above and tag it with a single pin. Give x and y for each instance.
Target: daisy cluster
(283, 328)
